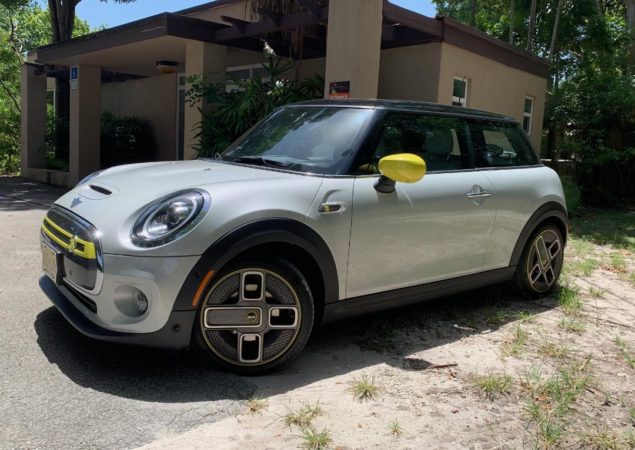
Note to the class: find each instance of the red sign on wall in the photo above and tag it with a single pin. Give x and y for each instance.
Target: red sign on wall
(339, 89)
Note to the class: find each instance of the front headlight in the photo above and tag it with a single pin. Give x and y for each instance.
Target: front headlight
(170, 218)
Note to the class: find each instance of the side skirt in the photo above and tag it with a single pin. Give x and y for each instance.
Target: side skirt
(407, 296)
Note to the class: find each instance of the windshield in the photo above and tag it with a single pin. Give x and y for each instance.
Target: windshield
(318, 140)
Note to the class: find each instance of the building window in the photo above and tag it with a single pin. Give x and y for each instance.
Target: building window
(527, 112)
(245, 73)
(459, 92)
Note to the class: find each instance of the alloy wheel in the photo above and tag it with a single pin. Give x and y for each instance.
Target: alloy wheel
(544, 261)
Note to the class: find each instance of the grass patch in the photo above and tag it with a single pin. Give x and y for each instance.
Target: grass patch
(364, 388)
(602, 438)
(629, 439)
(497, 316)
(569, 299)
(527, 317)
(552, 397)
(605, 227)
(573, 325)
(617, 263)
(395, 429)
(632, 415)
(596, 293)
(514, 346)
(493, 386)
(315, 440)
(256, 405)
(303, 417)
(553, 350)
(625, 351)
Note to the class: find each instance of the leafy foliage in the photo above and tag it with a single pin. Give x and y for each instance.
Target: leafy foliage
(229, 114)
(126, 140)
(24, 26)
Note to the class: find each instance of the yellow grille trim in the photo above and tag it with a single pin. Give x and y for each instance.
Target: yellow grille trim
(89, 251)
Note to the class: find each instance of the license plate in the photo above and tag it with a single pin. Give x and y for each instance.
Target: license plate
(49, 262)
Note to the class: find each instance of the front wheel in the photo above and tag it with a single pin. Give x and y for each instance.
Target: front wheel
(256, 316)
(541, 263)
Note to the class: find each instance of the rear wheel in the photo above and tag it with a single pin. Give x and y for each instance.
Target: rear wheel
(541, 263)
(257, 316)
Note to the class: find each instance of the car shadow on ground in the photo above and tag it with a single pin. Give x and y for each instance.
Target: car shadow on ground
(334, 349)
(20, 194)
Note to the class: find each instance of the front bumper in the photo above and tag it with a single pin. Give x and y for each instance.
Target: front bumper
(175, 334)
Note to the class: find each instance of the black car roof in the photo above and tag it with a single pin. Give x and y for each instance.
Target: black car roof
(409, 106)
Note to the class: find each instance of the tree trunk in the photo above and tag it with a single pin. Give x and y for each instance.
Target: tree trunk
(532, 21)
(630, 21)
(554, 33)
(511, 22)
(474, 8)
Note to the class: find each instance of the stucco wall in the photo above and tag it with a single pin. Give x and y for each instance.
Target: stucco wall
(410, 73)
(153, 99)
(492, 86)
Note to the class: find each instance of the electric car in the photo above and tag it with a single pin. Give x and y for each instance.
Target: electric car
(324, 210)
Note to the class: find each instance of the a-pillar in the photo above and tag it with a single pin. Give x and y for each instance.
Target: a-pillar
(85, 123)
(353, 45)
(33, 126)
(210, 62)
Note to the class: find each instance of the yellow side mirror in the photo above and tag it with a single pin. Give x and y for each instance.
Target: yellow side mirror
(402, 167)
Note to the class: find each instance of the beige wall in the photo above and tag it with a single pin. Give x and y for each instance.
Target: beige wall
(353, 45)
(492, 86)
(410, 73)
(153, 99)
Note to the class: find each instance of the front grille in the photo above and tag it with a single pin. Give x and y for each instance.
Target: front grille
(77, 241)
(88, 303)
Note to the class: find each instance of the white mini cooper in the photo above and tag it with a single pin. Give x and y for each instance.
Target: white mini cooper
(324, 210)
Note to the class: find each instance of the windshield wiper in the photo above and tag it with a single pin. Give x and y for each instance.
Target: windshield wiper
(259, 160)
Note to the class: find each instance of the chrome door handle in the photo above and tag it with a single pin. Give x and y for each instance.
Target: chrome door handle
(332, 208)
(481, 194)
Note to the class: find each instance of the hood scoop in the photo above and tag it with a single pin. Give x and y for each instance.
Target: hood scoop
(97, 191)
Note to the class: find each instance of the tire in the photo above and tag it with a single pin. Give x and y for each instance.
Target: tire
(256, 316)
(537, 275)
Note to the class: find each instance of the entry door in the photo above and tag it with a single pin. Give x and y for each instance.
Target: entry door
(435, 229)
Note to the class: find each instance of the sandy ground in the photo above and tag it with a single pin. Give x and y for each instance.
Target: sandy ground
(425, 361)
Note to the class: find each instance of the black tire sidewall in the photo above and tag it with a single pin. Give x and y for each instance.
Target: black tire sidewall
(521, 280)
(297, 281)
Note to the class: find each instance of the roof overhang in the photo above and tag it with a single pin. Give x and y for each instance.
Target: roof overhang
(401, 27)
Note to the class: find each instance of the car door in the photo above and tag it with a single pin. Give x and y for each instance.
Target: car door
(435, 229)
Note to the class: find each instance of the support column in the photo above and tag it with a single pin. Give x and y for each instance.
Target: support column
(85, 124)
(33, 122)
(209, 61)
(353, 45)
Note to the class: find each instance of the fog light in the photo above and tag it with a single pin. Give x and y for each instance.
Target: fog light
(142, 303)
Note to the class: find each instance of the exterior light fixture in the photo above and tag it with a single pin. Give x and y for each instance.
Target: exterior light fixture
(165, 67)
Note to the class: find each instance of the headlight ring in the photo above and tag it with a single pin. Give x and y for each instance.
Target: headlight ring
(170, 218)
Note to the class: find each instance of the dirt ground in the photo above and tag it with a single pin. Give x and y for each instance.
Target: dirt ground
(482, 370)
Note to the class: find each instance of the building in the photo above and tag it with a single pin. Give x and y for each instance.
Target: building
(377, 49)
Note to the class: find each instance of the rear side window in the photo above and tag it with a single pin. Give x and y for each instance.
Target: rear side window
(501, 145)
(440, 141)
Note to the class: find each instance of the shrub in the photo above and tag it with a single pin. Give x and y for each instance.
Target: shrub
(126, 140)
(230, 114)
(573, 196)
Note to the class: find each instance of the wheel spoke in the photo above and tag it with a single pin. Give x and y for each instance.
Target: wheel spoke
(535, 273)
(232, 317)
(283, 317)
(554, 249)
(252, 286)
(542, 252)
(250, 347)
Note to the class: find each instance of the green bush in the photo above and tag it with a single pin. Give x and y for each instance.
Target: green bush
(126, 140)
(573, 196)
(232, 113)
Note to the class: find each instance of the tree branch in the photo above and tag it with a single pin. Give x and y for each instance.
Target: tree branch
(10, 94)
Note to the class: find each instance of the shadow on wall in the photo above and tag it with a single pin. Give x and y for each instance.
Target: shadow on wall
(388, 337)
(20, 194)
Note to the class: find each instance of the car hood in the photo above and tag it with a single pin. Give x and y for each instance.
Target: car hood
(113, 199)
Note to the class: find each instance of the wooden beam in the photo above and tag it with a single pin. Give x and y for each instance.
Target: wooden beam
(274, 17)
(287, 22)
(239, 24)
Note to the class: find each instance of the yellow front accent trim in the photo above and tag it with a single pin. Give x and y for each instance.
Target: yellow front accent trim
(89, 251)
(403, 167)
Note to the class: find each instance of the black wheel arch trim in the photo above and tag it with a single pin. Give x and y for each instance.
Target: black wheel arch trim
(550, 210)
(253, 234)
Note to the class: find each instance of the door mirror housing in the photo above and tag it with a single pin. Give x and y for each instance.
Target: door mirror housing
(402, 168)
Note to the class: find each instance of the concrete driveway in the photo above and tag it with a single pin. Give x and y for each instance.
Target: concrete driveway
(59, 389)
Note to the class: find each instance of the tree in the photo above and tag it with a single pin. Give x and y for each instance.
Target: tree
(532, 23)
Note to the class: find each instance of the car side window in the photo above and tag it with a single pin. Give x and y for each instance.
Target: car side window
(440, 141)
(501, 145)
